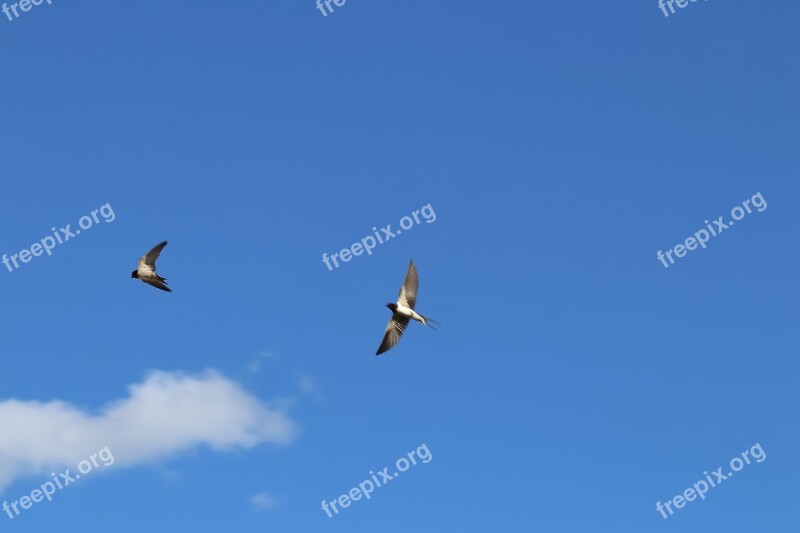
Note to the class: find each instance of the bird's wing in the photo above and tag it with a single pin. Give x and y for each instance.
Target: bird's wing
(394, 329)
(158, 284)
(148, 261)
(408, 292)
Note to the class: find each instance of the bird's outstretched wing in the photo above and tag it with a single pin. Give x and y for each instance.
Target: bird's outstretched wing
(394, 329)
(147, 263)
(408, 292)
(158, 284)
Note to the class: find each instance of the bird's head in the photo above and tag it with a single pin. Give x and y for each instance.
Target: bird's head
(135, 274)
(393, 307)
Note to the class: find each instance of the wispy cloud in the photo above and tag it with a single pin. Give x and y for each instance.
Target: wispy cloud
(263, 500)
(255, 364)
(167, 413)
(308, 386)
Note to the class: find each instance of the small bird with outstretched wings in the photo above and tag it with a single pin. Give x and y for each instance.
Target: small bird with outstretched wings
(147, 269)
(403, 311)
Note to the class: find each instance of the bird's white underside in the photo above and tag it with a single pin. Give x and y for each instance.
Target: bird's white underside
(407, 311)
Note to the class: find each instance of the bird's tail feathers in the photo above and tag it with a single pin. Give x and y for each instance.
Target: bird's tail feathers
(431, 323)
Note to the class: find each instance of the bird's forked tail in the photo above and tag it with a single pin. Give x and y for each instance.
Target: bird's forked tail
(431, 323)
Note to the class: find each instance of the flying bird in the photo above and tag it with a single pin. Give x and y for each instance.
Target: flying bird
(147, 269)
(403, 311)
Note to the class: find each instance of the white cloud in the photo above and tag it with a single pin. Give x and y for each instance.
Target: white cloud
(263, 500)
(308, 386)
(255, 364)
(165, 414)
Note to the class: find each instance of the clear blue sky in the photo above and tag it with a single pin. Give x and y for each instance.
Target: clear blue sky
(575, 380)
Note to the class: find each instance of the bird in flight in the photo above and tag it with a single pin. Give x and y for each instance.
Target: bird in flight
(403, 311)
(147, 269)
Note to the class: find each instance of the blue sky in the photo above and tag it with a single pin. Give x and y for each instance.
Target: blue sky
(574, 382)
